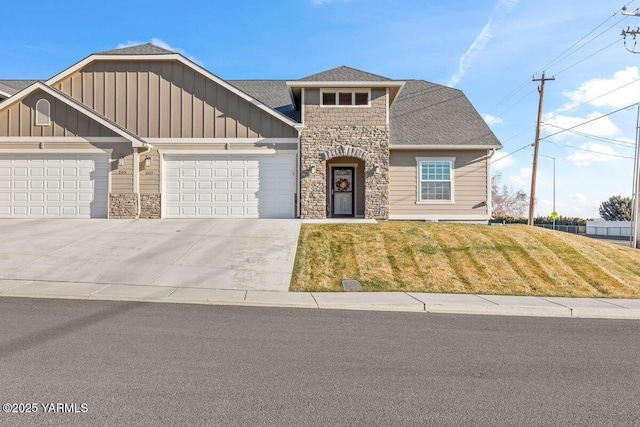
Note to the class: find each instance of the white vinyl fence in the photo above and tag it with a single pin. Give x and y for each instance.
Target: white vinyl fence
(610, 228)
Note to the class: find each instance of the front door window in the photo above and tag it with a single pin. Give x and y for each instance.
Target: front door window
(342, 191)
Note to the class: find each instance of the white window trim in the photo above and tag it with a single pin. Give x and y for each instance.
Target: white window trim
(44, 114)
(419, 160)
(353, 91)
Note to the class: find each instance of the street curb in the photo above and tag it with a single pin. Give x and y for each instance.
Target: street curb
(415, 302)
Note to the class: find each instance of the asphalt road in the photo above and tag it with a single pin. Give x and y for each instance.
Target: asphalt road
(120, 363)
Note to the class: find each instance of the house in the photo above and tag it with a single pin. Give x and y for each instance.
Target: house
(143, 132)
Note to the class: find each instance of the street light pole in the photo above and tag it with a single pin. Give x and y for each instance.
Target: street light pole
(554, 189)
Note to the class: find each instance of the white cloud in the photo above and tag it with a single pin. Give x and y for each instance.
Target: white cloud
(162, 44)
(481, 41)
(504, 160)
(600, 127)
(492, 120)
(597, 153)
(623, 91)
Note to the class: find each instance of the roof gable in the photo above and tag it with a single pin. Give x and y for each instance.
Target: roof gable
(344, 74)
(136, 142)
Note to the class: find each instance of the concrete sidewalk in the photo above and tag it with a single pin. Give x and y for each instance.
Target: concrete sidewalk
(379, 301)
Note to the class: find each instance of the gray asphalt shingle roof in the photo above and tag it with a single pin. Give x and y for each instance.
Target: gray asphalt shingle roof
(14, 86)
(272, 93)
(429, 114)
(344, 74)
(142, 49)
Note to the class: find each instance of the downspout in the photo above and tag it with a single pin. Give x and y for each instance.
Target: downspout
(147, 148)
(299, 170)
(489, 204)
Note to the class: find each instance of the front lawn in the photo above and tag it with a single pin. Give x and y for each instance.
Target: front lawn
(456, 258)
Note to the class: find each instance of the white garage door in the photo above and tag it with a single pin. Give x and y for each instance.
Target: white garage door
(54, 185)
(258, 186)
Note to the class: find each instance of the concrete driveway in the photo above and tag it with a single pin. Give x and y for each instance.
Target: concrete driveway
(242, 254)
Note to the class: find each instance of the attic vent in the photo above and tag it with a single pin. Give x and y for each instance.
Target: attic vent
(43, 113)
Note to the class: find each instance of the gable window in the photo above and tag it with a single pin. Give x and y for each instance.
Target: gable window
(43, 113)
(345, 97)
(435, 179)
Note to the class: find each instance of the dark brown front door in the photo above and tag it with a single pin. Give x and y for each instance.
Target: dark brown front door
(342, 183)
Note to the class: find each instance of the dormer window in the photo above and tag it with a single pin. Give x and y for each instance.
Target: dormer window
(43, 113)
(345, 97)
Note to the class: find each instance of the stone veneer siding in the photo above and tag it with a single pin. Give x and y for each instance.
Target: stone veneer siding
(321, 143)
(123, 205)
(150, 206)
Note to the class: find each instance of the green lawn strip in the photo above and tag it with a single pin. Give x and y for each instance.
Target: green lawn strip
(471, 270)
(376, 274)
(604, 283)
(613, 261)
(530, 275)
(400, 253)
(441, 273)
(312, 266)
(564, 280)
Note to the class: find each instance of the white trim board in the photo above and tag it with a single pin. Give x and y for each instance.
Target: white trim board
(248, 141)
(264, 152)
(454, 217)
(62, 139)
(444, 147)
(107, 151)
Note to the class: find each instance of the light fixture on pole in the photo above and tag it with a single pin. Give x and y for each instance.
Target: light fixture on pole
(554, 214)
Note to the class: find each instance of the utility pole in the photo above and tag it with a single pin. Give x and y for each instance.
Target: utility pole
(635, 231)
(534, 170)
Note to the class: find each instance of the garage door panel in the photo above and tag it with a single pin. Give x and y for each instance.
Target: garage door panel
(36, 185)
(230, 186)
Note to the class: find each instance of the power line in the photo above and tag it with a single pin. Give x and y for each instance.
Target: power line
(596, 137)
(592, 120)
(591, 151)
(584, 59)
(511, 154)
(600, 96)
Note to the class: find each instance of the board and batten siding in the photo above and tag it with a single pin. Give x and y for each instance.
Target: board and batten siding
(167, 99)
(470, 184)
(19, 120)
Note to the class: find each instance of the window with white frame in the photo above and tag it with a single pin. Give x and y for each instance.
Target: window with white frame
(345, 97)
(435, 179)
(43, 113)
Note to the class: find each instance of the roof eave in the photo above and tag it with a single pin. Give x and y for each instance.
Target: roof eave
(444, 147)
(328, 83)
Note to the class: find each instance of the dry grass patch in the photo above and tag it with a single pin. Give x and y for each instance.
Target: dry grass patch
(454, 258)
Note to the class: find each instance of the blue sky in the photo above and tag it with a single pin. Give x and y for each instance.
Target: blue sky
(490, 49)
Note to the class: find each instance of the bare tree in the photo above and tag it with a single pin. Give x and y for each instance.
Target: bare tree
(505, 201)
(616, 208)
